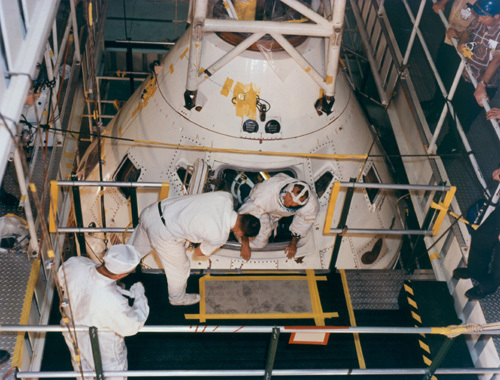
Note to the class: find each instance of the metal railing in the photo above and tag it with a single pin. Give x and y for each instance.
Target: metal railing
(451, 332)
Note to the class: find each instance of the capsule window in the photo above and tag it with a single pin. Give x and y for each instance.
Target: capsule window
(185, 176)
(89, 161)
(372, 177)
(127, 172)
(322, 183)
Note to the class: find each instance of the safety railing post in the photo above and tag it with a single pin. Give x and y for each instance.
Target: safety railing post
(410, 267)
(271, 355)
(341, 224)
(133, 206)
(78, 215)
(96, 353)
(443, 350)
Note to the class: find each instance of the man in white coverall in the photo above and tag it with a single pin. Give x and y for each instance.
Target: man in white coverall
(273, 199)
(95, 299)
(170, 225)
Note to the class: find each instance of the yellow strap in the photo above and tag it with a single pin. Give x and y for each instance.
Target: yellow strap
(165, 188)
(53, 206)
(257, 153)
(442, 213)
(331, 208)
(434, 256)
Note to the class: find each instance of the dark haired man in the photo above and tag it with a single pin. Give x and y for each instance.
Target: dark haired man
(273, 199)
(479, 44)
(484, 256)
(170, 225)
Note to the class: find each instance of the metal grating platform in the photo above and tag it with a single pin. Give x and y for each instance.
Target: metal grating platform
(13, 283)
(379, 290)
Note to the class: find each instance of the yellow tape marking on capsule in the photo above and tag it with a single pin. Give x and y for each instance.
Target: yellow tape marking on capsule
(412, 303)
(227, 87)
(50, 253)
(23, 197)
(244, 99)
(184, 53)
(408, 289)
(149, 91)
(308, 69)
(416, 317)
(91, 21)
(45, 113)
(32, 187)
(17, 356)
(434, 256)
(424, 346)
(171, 69)
(329, 79)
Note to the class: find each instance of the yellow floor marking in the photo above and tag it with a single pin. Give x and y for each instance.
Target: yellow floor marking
(203, 310)
(315, 300)
(317, 312)
(263, 316)
(352, 319)
(263, 278)
(17, 357)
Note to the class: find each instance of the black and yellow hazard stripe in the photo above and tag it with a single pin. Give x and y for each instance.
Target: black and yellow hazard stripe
(415, 315)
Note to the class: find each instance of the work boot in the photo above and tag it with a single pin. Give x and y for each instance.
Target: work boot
(461, 273)
(188, 299)
(478, 292)
(4, 357)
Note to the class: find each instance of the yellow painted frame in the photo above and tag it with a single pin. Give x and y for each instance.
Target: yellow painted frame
(317, 312)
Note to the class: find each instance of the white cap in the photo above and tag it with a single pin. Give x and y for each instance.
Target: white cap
(121, 258)
(296, 198)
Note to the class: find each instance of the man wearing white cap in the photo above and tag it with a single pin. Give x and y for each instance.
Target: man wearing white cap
(91, 297)
(273, 199)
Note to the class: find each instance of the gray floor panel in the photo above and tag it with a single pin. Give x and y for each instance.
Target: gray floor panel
(13, 283)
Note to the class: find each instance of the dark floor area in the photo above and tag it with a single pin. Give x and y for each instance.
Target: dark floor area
(154, 351)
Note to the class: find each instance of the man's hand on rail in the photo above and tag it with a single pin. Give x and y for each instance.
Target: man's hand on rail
(494, 113)
(452, 33)
(481, 94)
(496, 173)
(439, 6)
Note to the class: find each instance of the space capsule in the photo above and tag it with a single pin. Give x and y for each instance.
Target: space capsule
(256, 111)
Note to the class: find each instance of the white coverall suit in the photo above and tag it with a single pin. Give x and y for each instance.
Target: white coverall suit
(98, 301)
(202, 218)
(264, 202)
